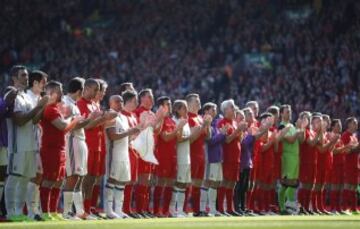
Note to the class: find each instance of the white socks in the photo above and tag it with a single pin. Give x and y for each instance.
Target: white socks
(119, 199)
(68, 201)
(33, 199)
(79, 203)
(15, 194)
(203, 198)
(178, 198)
(109, 198)
(212, 199)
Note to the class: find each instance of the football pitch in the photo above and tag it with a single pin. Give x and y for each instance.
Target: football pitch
(293, 222)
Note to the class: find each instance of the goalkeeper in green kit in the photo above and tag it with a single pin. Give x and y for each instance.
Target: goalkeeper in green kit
(289, 162)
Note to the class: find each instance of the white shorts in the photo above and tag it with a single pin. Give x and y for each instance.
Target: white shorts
(76, 157)
(183, 174)
(214, 172)
(3, 156)
(119, 170)
(23, 164)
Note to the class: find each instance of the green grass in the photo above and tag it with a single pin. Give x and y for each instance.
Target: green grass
(293, 222)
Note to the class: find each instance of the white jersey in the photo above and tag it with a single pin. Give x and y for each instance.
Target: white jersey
(23, 138)
(183, 148)
(118, 149)
(34, 100)
(74, 111)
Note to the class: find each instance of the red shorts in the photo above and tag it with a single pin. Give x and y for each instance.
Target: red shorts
(53, 165)
(133, 164)
(96, 163)
(351, 175)
(266, 175)
(307, 173)
(337, 174)
(321, 174)
(197, 168)
(231, 171)
(145, 167)
(166, 169)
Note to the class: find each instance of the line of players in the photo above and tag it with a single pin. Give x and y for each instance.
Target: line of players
(226, 164)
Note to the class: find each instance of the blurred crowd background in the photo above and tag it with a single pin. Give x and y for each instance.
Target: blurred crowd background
(304, 53)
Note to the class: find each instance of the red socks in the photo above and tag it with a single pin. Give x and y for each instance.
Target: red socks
(87, 205)
(140, 197)
(127, 199)
(157, 198)
(195, 195)
(167, 199)
(54, 199)
(95, 196)
(229, 199)
(220, 199)
(45, 199)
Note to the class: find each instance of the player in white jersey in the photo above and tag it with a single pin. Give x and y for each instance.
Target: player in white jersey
(183, 177)
(118, 170)
(37, 81)
(76, 150)
(22, 145)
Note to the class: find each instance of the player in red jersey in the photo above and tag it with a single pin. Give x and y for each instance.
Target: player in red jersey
(275, 111)
(324, 163)
(266, 149)
(350, 139)
(130, 104)
(52, 150)
(166, 155)
(337, 171)
(308, 159)
(101, 160)
(197, 155)
(146, 169)
(231, 158)
(94, 138)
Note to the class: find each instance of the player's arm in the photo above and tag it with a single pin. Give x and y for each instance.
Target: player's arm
(315, 140)
(21, 118)
(216, 138)
(169, 135)
(115, 135)
(196, 132)
(100, 120)
(64, 125)
(328, 146)
(292, 138)
(260, 133)
(38, 116)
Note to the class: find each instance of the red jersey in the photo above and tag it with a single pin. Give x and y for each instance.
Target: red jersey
(339, 158)
(351, 159)
(231, 150)
(131, 119)
(268, 156)
(52, 138)
(325, 159)
(166, 150)
(140, 110)
(308, 153)
(94, 136)
(197, 147)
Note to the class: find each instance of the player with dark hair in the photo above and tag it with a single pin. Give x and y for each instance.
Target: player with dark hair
(52, 151)
(94, 141)
(23, 144)
(166, 154)
(350, 139)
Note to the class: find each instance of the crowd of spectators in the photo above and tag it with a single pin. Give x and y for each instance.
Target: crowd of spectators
(176, 47)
